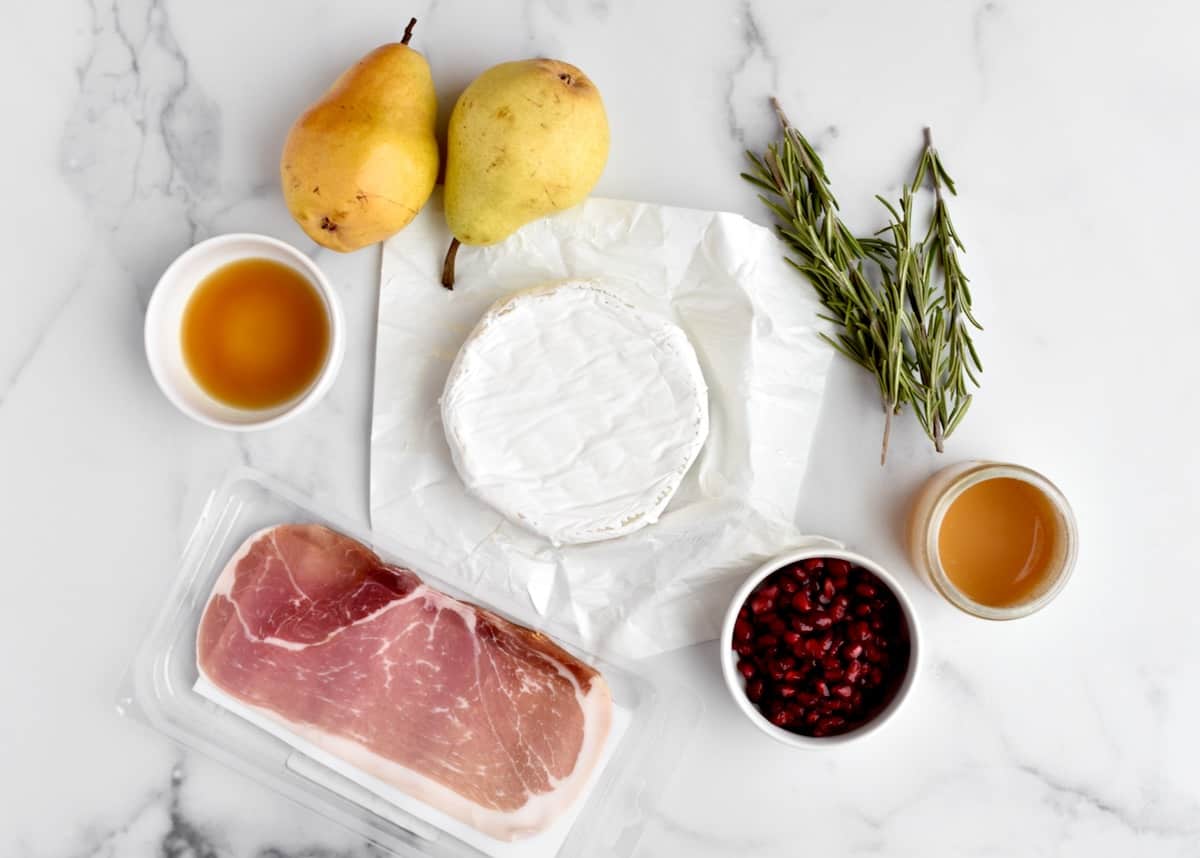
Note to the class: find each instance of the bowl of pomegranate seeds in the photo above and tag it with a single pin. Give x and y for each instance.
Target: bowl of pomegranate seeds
(819, 647)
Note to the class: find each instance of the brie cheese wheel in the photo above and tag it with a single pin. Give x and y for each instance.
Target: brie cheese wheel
(574, 413)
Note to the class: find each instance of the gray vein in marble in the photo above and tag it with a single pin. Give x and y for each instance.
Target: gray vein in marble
(979, 26)
(8, 384)
(1059, 788)
(754, 45)
(719, 842)
(561, 9)
(102, 845)
(185, 838)
(1081, 799)
(825, 137)
(142, 143)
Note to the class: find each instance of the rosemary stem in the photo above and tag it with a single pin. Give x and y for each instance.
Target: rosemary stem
(887, 433)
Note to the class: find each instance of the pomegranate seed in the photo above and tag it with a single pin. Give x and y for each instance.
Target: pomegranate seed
(744, 649)
(838, 567)
(742, 631)
(860, 631)
(876, 676)
(769, 592)
(766, 642)
(790, 638)
(812, 717)
(780, 718)
(822, 688)
(864, 589)
(873, 653)
(746, 669)
(754, 690)
(830, 662)
(786, 663)
(814, 564)
(862, 610)
(776, 625)
(794, 675)
(843, 690)
(786, 691)
(760, 604)
(830, 724)
(854, 650)
(801, 602)
(830, 588)
(838, 612)
(823, 621)
(852, 671)
(812, 647)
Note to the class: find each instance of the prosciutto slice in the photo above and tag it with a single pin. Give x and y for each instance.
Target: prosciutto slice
(487, 721)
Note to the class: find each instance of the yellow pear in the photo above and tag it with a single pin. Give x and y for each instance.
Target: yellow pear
(360, 163)
(526, 139)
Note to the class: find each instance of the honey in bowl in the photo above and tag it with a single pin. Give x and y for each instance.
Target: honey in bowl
(998, 541)
(255, 334)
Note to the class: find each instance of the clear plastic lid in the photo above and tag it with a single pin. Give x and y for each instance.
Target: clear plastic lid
(159, 691)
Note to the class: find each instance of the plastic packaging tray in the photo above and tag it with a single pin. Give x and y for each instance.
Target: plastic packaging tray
(158, 690)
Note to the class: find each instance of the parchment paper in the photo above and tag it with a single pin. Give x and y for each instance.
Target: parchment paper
(753, 322)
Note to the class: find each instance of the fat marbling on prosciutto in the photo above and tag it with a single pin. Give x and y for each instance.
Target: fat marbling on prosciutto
(487, 721)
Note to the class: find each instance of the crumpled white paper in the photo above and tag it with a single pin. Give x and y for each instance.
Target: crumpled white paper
(753, 322)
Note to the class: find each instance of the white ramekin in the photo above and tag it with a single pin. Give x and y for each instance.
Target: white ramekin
(164, 317)
(737, 684)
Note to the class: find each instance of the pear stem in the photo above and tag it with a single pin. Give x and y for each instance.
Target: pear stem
(448, 265)
(408, 31)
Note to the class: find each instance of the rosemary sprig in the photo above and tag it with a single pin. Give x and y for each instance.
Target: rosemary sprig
(902, 304)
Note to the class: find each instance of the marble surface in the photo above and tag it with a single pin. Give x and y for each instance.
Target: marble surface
(137, 127)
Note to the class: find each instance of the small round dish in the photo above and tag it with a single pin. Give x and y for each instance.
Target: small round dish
(929, 510)
(900, 684)
(164, 317)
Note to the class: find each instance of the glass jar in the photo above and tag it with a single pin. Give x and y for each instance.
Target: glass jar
(929, 511)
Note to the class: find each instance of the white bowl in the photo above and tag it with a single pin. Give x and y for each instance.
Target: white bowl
(736, 683)
(164, 317)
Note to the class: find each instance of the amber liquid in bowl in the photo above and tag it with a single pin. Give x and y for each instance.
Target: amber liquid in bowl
(255, 334)
(999, 541)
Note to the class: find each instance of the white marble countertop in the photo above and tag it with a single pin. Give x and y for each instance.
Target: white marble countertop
(138, 127)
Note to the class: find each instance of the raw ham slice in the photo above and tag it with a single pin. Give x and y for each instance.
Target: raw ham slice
(487, 721)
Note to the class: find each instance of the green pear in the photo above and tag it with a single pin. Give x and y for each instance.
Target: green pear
(526, 139)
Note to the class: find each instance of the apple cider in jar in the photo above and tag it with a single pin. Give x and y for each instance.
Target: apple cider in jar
(996, 540)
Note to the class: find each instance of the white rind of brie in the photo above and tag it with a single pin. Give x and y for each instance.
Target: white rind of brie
(573, 413)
